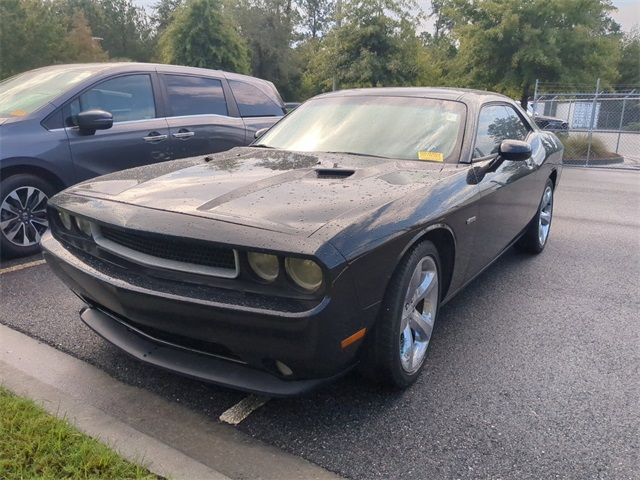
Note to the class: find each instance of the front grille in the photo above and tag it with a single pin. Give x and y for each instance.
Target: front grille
(169, 338)
(174, 339)
(172, 248)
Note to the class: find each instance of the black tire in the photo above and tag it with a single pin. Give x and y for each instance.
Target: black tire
(382, 359)
(531, 241)
(11, 247)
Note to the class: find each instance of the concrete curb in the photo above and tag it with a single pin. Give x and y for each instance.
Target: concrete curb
(169, 439)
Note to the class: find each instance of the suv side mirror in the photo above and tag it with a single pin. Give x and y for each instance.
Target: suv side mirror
(91, 120)
(514, 150)
(260, 132)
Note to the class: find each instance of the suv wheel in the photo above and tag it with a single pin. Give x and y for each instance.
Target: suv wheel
(23, 214)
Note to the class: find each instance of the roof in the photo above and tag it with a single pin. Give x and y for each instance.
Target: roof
(132, 66)
(443, 93)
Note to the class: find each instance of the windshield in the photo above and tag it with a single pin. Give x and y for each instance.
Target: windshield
(395, 127)
(27, 92)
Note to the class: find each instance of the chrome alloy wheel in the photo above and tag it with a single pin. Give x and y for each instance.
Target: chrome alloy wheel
(23, 216)
(546, 210)
(418, 314)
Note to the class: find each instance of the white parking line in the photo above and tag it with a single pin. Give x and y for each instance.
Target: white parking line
(21, 266)
(243, 409)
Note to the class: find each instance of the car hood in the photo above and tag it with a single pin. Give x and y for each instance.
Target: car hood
(287, 192)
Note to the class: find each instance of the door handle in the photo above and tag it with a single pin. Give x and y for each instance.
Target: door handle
(183, 134)
(154, 137)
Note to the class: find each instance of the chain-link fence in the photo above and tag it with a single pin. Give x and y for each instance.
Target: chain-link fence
(598, 127)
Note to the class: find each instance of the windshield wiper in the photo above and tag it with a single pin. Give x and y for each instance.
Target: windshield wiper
(358, 154)
(262, 145)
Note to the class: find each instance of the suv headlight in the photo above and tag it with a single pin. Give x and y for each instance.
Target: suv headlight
(304, 272)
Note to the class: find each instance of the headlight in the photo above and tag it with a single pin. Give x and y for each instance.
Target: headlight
(306, 273)
(266, 266)
(65, 219)
(84, 226)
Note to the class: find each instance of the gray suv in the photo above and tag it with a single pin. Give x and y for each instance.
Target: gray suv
(63, 124)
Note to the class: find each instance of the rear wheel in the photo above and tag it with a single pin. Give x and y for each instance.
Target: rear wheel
(399, 342)
(535, 238)
(23, 216)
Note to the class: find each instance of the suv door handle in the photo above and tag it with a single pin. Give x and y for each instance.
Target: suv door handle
(183, 133)
(154, 137)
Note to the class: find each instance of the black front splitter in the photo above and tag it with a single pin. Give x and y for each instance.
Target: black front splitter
(194, 364)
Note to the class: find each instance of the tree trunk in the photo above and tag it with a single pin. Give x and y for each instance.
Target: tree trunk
(524, 98)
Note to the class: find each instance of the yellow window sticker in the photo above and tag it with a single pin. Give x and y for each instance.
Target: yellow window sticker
(433, 156)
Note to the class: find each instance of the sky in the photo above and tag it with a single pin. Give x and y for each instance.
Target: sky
(627, 15)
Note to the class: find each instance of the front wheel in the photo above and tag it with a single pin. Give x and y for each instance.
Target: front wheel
(535, 237)
(23, 214)
(401, 336)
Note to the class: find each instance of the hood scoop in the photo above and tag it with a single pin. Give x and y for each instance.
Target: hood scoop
(334, 172)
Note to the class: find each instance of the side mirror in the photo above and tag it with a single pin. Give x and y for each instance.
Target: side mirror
(91, 120)
(260, 132)
(514, 150)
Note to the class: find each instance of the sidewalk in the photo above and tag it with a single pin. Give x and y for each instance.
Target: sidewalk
(169, 439)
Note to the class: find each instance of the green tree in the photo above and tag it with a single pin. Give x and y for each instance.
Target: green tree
(204, 34)
(164, 11)
(124, 29)
(629, 66)
(373, 44)
(268, 27)
(316, 16)
(32, 34)
(81, 45)
(505, 45)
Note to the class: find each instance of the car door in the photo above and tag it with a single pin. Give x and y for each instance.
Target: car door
(503, 188)
(139, 136)
(257, 109)
(198, 116)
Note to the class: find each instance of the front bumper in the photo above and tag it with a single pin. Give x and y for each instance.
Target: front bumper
(203, 337)
(190, 363)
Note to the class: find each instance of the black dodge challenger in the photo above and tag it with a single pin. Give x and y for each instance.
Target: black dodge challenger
(330, 242)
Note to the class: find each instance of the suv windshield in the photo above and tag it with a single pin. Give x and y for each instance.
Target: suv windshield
(25, 93)
(408, 128)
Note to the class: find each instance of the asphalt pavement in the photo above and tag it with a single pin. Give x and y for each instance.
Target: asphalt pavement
(533, 371)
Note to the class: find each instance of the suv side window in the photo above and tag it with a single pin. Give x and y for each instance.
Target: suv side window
(195, 96)
(252, 102)
(497, 123)
(127, 98)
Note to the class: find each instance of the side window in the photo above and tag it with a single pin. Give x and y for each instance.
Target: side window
(516, 128)
(195, 96)
(488, 137)
(497, 123)
(127, 98)
(252, 102)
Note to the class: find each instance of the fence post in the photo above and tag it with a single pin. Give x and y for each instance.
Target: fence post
(624, 104)
(569, 120)
(535, 99)
(593, 117)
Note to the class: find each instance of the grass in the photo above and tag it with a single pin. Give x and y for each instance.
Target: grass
(576, 147)
(34, 444)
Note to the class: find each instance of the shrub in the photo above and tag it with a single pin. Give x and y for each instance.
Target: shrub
(577, 146)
